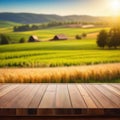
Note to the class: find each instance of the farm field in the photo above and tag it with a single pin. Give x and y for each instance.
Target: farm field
(80, 74)
(53, 54)
(58, 61)
(47, 34)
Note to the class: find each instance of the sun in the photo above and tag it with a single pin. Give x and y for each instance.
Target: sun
(115, 5)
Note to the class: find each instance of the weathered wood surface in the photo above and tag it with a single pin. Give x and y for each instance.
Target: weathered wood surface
(59, 99)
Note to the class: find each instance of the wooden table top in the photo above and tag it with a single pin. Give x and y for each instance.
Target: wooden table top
(47, 96)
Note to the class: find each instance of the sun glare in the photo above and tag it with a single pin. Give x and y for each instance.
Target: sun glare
(115, 5)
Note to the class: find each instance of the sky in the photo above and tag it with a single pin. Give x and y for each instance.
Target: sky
(61, 7)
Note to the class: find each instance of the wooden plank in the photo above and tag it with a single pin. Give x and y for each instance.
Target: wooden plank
(4, 86)
(77, 100)
(89, 102)
(116, 86)
(10, 95)
(25, 101)
(62, 96)
(7, 89)
(38, 96)
(106, 102)
(113, 89)
(48, 100)
(22, 98)
(113, 98)
(98, 104)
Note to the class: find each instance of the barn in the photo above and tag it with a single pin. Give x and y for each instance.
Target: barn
(60, 37)
(33, 38)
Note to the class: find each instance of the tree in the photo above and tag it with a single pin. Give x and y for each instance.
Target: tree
(110, 39)
(84, 35)
(22, 28)
(114, 40)
(109, 42)
(4, 39)
(22, 40)
(78, 37)
(102, 38)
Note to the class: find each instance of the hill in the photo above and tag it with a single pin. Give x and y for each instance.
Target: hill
(25, 18)
(7, 24)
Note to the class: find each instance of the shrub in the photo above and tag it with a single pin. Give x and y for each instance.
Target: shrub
(22, 40)
(4, 39)
(78, 37)
(84, 35)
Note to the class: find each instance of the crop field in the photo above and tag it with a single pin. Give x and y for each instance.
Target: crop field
(58, 61)
(80, 74)
(57, 53)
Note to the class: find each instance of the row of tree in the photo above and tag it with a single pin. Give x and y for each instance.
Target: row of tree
(109, 39)
(29, 27)
(41, 26)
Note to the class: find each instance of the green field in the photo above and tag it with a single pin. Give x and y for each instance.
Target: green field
(47, 34)
(5, 24)
(59, 53)
(55, 53)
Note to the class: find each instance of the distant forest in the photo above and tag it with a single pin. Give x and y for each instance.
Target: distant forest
(29, 27)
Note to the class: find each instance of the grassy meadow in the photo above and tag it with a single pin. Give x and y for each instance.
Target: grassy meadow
(6, 24)
(47, 34)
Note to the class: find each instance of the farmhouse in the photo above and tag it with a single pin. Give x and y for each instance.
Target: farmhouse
(33, 38)
(60, 37)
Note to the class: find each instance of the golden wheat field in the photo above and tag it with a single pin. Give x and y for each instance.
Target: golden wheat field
(79, 74)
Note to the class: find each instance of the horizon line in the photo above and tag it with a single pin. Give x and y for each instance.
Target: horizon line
(59, 14)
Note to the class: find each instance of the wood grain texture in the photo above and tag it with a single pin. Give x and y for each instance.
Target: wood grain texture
(60, 95)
